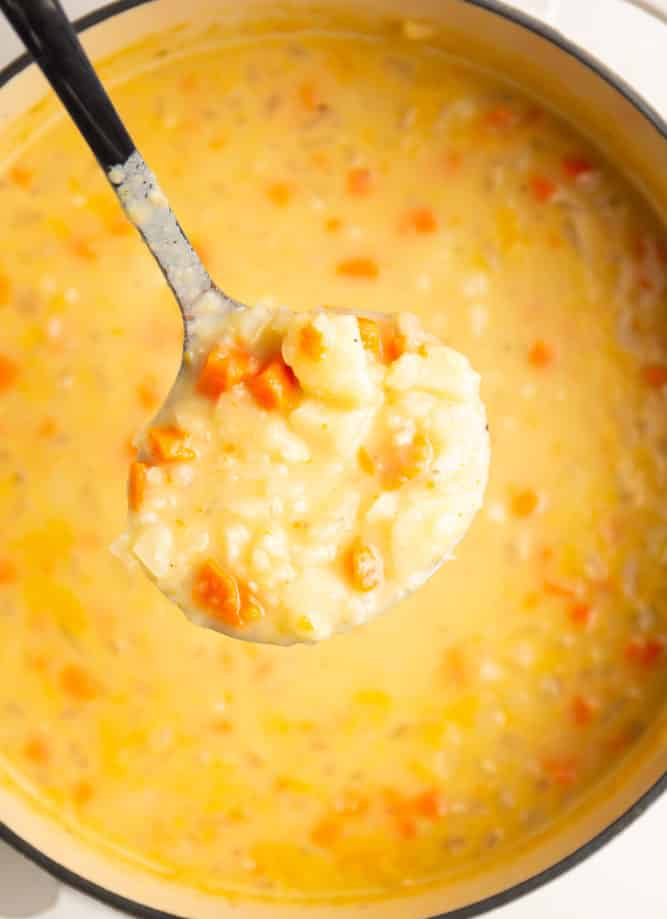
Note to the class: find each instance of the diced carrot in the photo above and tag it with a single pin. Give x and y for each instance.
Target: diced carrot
(8, 573)
(333, 224)
(279, 193)
(309, 97)
(364, 567)
(359, 182)
(645, 652)
(655, 375)
(583, 711)
(366, 461)
(19, 175)
(77, 683)
(406, 826)
(225, 368)
(543, 189)
(311, 342)
(147, 395)
(419, 220)
(369, 333)
(325, 833)
(82, 249)
(556, 589)
(136, 487)
(531, 600)
(5, 289)
(129, 448)
(501, 118)
(524, 503)
(48, 427)
(9, 371)
(167, 445)
(541, 355)
(581, 614)
(37, 751)
(275, 386)
(575, 166)
(430, 804)
(82, 793)
(218, 593)
(561, 769)
(37, 661)
(393, 345)
(358, 267)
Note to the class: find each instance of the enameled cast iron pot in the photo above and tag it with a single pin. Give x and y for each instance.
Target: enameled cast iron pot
(635, 137)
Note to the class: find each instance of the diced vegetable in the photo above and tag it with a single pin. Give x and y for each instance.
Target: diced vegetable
(524, 503)
(311, 342)
(575, 166)
(167, 445)
(77, 683)
(543, 188)
(37, 751)
(358, 267)
(645, 652)
(19, 175)
(583, 711)
(137, 483)
(581, 614)
(655, 375)
(275, 386)
(370, 335)
(217, 592)
(359, 182)
(541, 355)
(223, 369)
(9, 371)
(8, 573)
(420, 220)
(279, 193)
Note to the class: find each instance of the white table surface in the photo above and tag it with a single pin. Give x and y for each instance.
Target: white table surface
(625, 880)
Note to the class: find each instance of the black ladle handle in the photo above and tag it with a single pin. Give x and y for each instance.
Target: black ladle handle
(48, 35)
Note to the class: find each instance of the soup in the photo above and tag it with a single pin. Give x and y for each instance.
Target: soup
(469, 718)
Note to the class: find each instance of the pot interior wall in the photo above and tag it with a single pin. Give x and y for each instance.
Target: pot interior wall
(630, 140)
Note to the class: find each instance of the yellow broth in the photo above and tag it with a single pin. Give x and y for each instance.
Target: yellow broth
(372, 174)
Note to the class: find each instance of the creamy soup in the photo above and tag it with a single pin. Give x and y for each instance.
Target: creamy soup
(473, 714)
(307, 471)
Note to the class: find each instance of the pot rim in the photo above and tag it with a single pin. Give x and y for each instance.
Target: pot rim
(118, 901)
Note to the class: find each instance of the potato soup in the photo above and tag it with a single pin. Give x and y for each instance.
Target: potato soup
(362, 172)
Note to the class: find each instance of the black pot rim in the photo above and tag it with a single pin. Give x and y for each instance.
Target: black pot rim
(119, 902)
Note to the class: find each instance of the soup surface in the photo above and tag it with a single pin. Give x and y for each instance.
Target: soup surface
(470, 716)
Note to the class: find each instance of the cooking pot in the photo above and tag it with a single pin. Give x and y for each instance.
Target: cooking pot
(537, 56)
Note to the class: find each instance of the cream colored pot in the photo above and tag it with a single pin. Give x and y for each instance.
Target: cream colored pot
(636, 138)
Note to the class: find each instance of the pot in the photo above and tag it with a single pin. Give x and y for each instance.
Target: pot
(632, 134)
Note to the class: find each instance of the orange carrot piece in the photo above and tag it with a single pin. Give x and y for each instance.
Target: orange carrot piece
(369, 332)
(393, 344)
(9, 371)
(365, 568)
(279, 193)
(543, 189)
(419, 220)
(645, 652)
(147, 395)
(555, 589)
(561, 769)
(275, 386)
(309, 97)
(406, 827)
(325, 833)
(82, 793)
(655, 375)
(8, 573)
(583, 711)
(19, 175)
(359, 182)
(581, 614)
(430, 804)
(167, 445)
(218, 593)
(223, 369)
(501, 117)
(541, 355)
(524, 503)
(333, 224)
(37, 751)
(311, 343)
(82, 249)
(77, 683)
(575, 166)
(358, 267)
(5, 289)
(136, 486)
